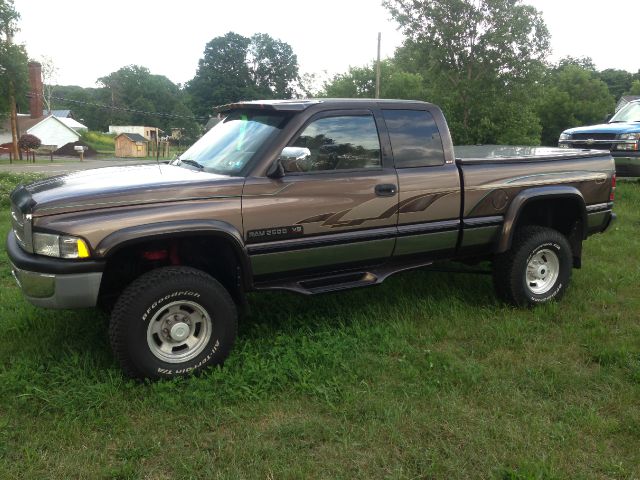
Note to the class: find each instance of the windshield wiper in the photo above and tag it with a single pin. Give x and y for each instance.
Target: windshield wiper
(193, 163)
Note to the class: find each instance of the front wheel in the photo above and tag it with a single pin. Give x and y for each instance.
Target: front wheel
(171, 322)
(536, 270)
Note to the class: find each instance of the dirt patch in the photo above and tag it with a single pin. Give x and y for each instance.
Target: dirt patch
(68, 150)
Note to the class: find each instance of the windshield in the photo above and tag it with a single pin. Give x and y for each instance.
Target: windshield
(628, 113)
(229, 146)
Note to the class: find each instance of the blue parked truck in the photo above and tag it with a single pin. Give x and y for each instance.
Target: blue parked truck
(620, 135)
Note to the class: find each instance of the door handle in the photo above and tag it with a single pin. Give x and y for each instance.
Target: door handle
(386, 190)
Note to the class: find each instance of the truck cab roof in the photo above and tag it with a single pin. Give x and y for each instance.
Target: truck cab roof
(298, 105)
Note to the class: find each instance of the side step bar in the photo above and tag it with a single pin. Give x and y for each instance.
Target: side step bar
(340, 281)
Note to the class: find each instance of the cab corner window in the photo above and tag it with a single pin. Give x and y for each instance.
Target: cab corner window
(415, 138)
(345, 142)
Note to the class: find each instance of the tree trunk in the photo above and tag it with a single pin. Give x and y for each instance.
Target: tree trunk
(14, 123)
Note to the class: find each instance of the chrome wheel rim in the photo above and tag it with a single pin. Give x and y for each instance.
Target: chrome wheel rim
(542, 272)
(179, 332)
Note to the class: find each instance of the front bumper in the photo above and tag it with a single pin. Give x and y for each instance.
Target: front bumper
(627, 163)
(55, 283)
(59, 291)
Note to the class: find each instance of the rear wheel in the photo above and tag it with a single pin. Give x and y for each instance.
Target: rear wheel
(171, 322)
(536, 270)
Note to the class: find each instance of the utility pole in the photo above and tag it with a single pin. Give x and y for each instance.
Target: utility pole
(15, 151)
(378, 67)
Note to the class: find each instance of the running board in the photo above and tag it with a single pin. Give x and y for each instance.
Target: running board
(339, 281)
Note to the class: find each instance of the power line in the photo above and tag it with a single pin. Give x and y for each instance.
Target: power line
(121, 109)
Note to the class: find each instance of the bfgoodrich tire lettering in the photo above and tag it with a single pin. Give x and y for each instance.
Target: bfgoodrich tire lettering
(536, 270)
(172, 321)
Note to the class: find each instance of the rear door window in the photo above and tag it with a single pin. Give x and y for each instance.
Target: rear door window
(415, 138)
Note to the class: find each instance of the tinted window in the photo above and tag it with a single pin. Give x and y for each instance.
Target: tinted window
(415, 138)
(338, 143)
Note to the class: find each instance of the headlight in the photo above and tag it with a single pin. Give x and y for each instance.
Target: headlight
(565, 136)
(60, 246)
(629, 136)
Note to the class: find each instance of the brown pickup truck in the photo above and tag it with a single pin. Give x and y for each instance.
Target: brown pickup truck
(310, 196)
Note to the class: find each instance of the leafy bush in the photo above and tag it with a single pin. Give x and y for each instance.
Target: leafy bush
(29, 142)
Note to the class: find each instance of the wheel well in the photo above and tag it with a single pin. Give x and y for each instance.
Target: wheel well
(211, 254)
(562, 214)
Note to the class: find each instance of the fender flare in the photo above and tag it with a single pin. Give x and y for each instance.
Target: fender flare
(175, 229)
(538, 193)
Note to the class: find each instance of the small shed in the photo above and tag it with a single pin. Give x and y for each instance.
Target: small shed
(131, 145)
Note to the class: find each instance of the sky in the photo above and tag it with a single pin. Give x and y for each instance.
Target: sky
(88, 39)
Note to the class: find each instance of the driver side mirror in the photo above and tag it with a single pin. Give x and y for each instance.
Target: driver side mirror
(607, 117)
(276, 170)
(291, 159)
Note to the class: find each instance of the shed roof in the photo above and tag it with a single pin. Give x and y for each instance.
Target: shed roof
(134, 137)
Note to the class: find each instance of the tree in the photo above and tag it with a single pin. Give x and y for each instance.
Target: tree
(139, 97)
(476, 55)
(49, 76)
(273, 66)
(29, 142)
(85, 103)
(585, 63)
(222, 75)
(236, 68)
(361, 82)
(573, 96)
(13, 60)
(618, 81)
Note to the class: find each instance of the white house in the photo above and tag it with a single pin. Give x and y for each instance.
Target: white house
(52, 131)
(149, 133)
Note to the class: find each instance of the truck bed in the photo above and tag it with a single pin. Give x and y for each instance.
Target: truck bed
(484, 154)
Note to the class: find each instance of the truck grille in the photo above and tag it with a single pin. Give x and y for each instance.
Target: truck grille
(594, 136)
(595, 141)
(18, 224)
(593, 146)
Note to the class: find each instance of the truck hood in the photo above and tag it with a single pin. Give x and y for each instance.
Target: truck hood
(129, 185)
(607, 128)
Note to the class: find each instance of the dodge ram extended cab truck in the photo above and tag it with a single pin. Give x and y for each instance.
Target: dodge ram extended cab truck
(310, 196)
(621, 135)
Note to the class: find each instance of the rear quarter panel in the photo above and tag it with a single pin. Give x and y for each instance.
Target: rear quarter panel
(491, 187)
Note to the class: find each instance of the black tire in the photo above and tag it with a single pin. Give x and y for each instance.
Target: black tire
(200, 312)
(537, 268)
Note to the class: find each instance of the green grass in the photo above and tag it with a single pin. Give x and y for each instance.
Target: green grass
(100, 142)
(104, 144)
(426, 376)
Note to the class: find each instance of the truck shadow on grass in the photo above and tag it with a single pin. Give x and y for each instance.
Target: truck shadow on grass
(421, 292)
